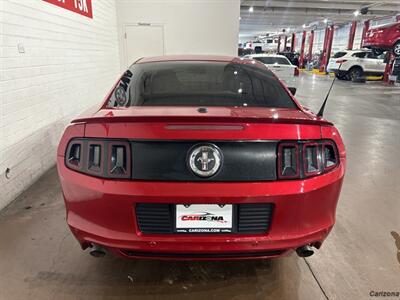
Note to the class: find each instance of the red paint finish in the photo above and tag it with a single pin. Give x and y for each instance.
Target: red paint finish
(326, 51)
(82, 7)
(352, 34)
(303, 44)
(102, 211)
(383, 37)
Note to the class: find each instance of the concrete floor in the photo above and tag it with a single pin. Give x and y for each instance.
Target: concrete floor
(39, 259)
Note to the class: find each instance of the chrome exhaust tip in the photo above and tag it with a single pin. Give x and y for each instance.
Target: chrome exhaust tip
(305, 251)
(97, 251)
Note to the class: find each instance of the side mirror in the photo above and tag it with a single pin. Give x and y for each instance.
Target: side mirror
(292, 90)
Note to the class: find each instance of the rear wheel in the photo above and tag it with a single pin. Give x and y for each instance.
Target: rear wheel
(377, 52)
(396, 49)
(355, 74)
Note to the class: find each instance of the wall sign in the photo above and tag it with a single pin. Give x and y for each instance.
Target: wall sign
(82, 7)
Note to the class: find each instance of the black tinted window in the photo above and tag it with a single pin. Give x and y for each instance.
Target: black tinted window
(270, 60)
(359, 54)
(339, 54)
(192, 83)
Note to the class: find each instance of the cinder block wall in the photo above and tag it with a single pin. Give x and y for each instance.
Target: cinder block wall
(54, 64)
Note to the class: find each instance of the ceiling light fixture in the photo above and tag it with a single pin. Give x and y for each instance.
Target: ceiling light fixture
(304, 25)
(251, 9)
(325, 21)
(356, 13)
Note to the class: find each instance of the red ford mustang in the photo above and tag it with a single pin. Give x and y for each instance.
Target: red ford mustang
(200, 157)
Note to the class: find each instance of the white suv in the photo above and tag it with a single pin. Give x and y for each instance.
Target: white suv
(356, 64)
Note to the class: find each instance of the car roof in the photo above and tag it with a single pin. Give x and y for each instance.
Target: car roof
(356, 50)
(266, 55)
(163, 58)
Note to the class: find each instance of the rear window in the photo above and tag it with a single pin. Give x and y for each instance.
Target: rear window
(198, 83)
(359, 54)
(339, 54)
(270, 60)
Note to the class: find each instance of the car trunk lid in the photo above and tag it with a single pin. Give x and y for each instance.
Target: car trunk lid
(218, 123)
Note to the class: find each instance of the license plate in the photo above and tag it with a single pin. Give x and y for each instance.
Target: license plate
(203, 218)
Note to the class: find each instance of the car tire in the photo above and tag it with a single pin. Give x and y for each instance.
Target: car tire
(396, 49)
(377, 52)
(355, 74)
(340, 77)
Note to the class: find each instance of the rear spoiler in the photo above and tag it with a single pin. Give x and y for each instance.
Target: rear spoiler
(200, 119)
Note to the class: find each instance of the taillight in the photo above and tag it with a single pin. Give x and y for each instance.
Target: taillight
(329, 156)
(341, 61)
(119, 160)
(311, 159)
(296, 71)
(288, 160)
(302, 159)
(74, 155)
(101, 158)
(95, 157)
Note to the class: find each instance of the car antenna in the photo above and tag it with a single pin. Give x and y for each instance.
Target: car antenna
(321, 110)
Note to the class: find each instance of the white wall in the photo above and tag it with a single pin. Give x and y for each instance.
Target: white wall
(341, 38)
(69, 64)
(190, 26)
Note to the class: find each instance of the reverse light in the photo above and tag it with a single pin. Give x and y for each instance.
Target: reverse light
(329, 155)
(311, 159)
(119, 160)
(288, 160)
(95, 157)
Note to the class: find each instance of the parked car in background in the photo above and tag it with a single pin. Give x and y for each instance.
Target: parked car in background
(384, 37)
(267, 44)
(355, 64)
(293, 57)
(280, 65)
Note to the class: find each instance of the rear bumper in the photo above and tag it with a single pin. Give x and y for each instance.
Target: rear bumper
(103, 212)
(340, 73)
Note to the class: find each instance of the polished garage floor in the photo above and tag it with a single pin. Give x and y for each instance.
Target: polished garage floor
(39, 259)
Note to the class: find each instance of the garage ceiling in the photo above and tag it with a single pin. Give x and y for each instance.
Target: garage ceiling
(274, 15)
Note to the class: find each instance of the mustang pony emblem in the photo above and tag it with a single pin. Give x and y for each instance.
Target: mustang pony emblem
(204, 160)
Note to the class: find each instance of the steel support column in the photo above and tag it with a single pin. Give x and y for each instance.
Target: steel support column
(303, 43)
(352, 34)
(310, 45)
(364, 32)
(279, 43)
(390, 58)
(293, 43)
(285, 43)
(326, 51)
